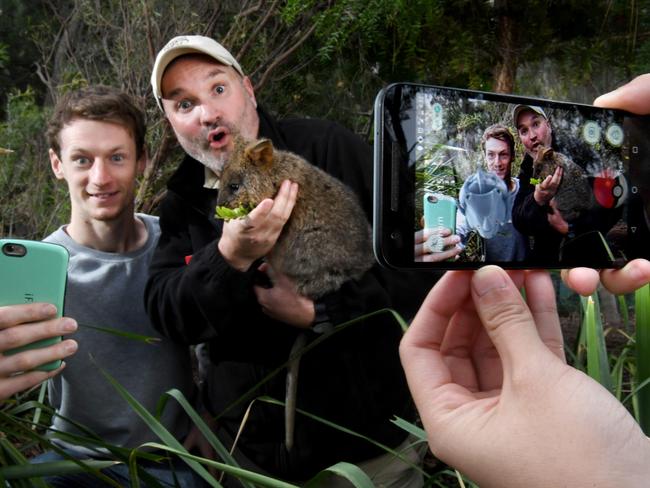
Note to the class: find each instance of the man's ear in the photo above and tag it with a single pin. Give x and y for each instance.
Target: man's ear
(260, 153)
(56, 164)
(248, 86)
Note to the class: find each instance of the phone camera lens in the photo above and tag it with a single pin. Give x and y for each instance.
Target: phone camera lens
(432, 199)
(15, 250)
(395, 235)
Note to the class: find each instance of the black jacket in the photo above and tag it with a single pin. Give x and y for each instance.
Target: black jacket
(353, 378)
(548, 247)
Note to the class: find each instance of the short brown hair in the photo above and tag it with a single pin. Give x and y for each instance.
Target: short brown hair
(100, 103)
(502, 133)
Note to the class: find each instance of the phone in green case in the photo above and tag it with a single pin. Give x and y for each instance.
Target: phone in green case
(33, 271)
(439, 212)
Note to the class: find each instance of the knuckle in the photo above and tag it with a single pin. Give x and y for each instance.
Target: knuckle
(498, 314)
(26, 361)
(12, 337)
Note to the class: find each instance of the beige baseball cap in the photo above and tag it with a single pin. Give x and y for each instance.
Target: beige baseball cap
(185, 45)
(522, 108)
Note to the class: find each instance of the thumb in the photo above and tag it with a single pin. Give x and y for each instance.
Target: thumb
(634, 96)
(505, 316)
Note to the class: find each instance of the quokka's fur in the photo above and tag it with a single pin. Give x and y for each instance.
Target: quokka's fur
(574, 194)
(327, 239)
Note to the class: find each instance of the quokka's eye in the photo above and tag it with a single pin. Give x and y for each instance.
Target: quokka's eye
(234, 186)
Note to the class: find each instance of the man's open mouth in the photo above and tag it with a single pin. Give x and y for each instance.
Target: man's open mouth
(217, 138)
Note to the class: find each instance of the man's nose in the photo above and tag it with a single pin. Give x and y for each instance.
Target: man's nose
(210, 113)
(99, 173)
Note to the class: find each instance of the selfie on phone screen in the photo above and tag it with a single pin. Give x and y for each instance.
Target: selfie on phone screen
(486, 178)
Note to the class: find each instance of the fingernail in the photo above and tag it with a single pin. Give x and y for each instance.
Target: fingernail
(70, 347)
(487, 279)
(48, 309)
(69, 325)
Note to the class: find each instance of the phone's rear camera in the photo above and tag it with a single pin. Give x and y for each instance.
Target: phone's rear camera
(14, 250)
(432, 199)
(395, 235)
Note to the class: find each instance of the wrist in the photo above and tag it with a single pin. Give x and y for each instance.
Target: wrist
(231, 257)
(539, 199)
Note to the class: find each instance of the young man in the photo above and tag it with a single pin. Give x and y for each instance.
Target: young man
(534, 213)
(203, 287)
(498, 147)
(97, 146)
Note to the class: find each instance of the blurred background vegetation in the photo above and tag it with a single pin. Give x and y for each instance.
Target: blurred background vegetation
(325, 59)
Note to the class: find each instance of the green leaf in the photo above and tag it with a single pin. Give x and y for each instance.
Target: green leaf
(642, 309)
(226, 213)
(411, 428)
(340, 428)
(350, 472)
(38, 470)
(240, 473)
(123, 333)
(214, 441)
(158, 429)
(597, 359)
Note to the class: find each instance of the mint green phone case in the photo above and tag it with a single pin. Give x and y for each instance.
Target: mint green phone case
(33, 271)
(439, 212)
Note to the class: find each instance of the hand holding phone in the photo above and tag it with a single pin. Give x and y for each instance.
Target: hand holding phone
(32, 272)
(26, 324)
(434, 139)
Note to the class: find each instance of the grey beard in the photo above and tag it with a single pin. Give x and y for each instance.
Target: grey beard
(214, 163)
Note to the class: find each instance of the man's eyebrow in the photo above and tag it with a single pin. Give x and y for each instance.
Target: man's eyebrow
(82, 149)
(211, 74)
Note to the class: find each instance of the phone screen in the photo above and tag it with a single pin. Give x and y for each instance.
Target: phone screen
(535, 183)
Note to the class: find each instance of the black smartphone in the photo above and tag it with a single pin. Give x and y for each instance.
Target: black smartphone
(535, 183)
(33, 271)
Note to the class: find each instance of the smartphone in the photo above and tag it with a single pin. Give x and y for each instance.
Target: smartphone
(439, 214)
(33, 271)
(440, 141)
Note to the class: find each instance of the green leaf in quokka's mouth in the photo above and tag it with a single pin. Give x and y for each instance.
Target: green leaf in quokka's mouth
(226, 213)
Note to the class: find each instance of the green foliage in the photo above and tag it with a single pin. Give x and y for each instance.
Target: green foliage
(643, 356)
(31, 202)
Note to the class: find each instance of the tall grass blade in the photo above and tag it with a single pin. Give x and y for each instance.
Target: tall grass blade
(418, 432)
(207, 432)
(41, 399)
(256, 479)
(389, 450)
(350, 472)
(597, 359)
(625, 316)
(123, 333)
(158, 429)
(38, 470)
(642, 309)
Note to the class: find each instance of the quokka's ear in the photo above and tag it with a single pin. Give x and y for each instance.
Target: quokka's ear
(260, 152)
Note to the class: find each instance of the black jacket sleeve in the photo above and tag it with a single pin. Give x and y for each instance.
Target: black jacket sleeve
(192, 294)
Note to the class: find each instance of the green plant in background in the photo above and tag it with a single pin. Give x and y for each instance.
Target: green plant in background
(30, 199)
(642, 377)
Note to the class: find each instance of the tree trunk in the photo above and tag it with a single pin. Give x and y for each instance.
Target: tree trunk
(506, 68)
